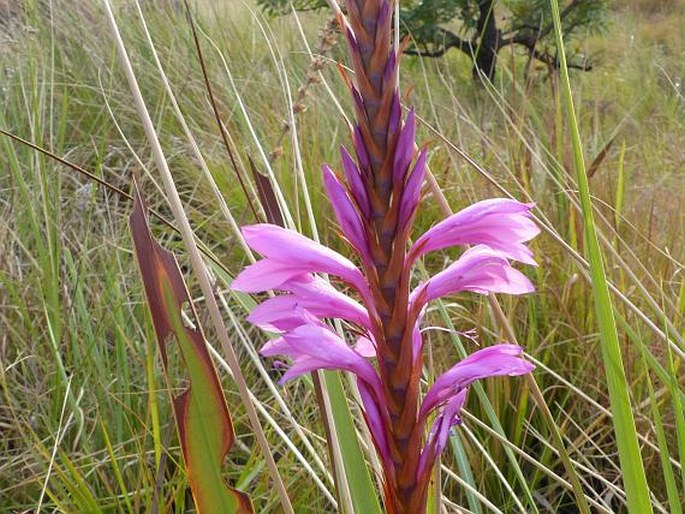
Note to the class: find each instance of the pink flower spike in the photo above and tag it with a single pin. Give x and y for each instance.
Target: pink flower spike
(293, 254)
(500, 223)
(347, 215)
(405, 148)
(480, 270)
(497, 360)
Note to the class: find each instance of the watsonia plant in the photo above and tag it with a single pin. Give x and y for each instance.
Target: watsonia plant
(375, 207)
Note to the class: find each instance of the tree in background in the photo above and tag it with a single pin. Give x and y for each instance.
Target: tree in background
(481, 28)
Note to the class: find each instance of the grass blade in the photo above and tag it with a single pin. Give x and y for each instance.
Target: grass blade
(664, 455)
(363, 494)
(634, 479)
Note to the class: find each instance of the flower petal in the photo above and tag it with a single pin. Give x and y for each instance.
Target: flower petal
(480, 270)
(277, 346)
(498, 360)
(501, 223)
(347, 215)
(316, 347)
(304, 365)
(294, 254)
(365, 347)
(440, 431)
(451, 388)
(274, 314)
(322, 292)
(278, 314)
(265, 275)
(375, 422)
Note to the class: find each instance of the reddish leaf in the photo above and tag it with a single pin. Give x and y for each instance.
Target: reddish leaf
(202, 418)
(267, 197)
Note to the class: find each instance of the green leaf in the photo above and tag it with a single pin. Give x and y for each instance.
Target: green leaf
(204, 425)
(632, 468)
(362, 491)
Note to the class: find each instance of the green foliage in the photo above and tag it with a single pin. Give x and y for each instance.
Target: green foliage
(630, 457)
(532, 18)
(436, 26)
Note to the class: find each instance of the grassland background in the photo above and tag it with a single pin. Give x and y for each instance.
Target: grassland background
(83, 406)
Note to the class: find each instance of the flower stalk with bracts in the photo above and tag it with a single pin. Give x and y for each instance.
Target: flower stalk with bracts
(375, 205)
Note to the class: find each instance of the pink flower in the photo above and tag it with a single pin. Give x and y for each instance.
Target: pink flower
(480, 269)
(450, 389)
(287, 255)
(313, 294)
(500, 223)
(291, 262)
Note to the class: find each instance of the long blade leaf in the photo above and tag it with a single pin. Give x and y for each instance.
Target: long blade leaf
(634, 479)
(202, 419)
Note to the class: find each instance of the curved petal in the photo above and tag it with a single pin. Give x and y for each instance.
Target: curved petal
(316, 347)
(277, 346)
(278, 314)
(440, 431)
(315, 295)
(500, 223)
(265, 275)
(274, 314)
(365, 347)
(451, 388)
(498, 360)
(480, 270)
(304, 365)
(294, 252)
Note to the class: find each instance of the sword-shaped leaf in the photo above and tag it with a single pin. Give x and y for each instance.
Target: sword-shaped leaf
(204, 424)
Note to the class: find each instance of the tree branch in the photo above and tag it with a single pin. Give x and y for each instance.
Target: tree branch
(553, 61)
(530, 40)
(449, 40)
